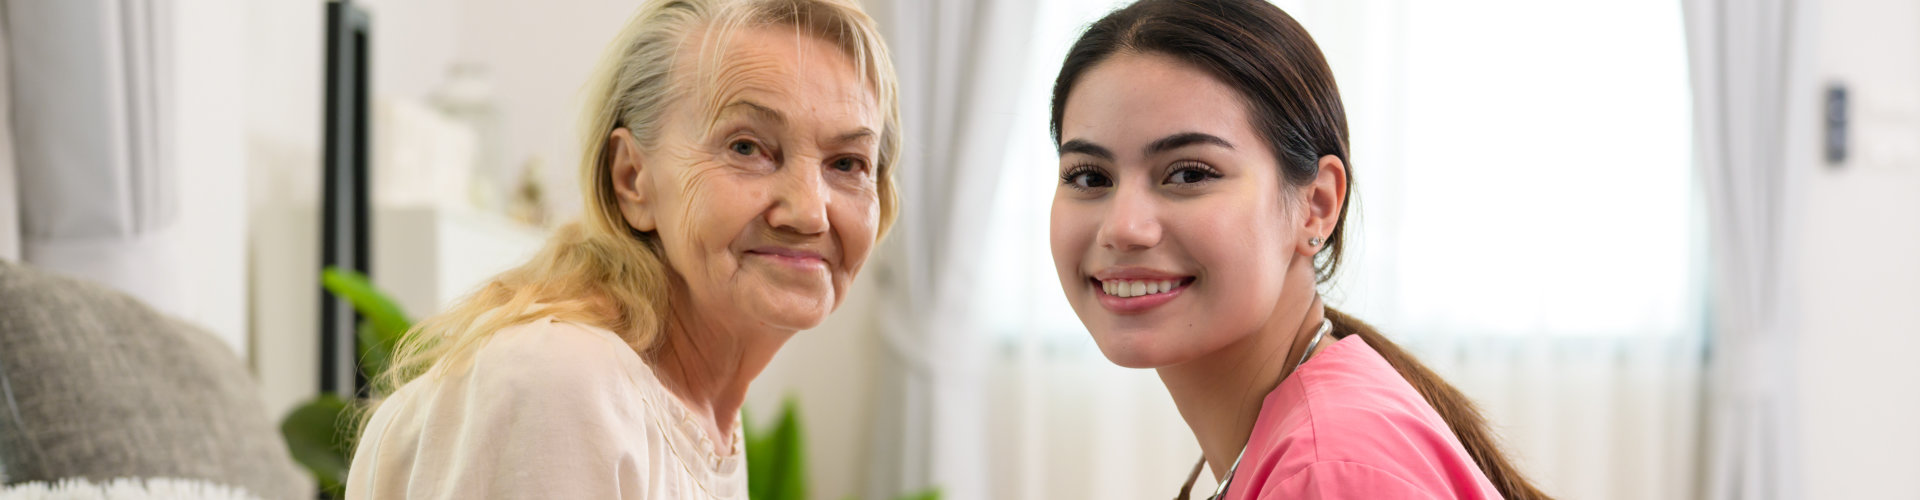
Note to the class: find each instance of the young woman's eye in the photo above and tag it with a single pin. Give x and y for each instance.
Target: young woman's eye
(744, 147)
(1085, 178)
(1191, 174)
(848, 164)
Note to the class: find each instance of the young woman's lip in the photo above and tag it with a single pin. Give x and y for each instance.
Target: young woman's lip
(1137, 274)
(1136, 305)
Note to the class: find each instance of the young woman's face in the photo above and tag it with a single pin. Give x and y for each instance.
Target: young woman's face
(1170, 227)
(764, 188)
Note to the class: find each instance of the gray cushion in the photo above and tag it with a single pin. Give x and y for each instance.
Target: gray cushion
(106, 387)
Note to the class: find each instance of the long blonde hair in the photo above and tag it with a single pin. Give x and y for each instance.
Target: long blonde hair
(599, 270)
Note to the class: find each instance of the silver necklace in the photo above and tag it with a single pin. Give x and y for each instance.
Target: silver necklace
(1325, 326)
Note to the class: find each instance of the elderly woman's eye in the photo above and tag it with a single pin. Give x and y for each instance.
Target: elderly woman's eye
(849, 164)
(744, 147)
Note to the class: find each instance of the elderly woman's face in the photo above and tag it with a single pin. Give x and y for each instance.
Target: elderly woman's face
(763, 188)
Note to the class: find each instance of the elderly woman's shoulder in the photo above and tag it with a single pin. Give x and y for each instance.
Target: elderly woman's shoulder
(548, 354)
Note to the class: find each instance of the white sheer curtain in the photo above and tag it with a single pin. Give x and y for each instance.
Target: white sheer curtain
(1526, 222)
(951, 56)
(1529, 225)
(90, 102)
(1747, 55)
(104, 180)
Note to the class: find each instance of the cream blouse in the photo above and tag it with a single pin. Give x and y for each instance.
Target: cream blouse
(548, 409)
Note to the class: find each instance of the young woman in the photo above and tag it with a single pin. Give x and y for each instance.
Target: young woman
(1204, 184)
(736, 175)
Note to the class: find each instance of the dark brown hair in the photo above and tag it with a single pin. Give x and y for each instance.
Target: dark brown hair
(1260, 51)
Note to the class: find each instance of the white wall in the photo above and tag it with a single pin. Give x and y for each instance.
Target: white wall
(283, 53)
(209, 238)
(540, 59)
(1858, 262)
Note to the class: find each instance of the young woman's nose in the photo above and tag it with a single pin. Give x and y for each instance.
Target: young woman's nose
(800, 200)
(1132, 222)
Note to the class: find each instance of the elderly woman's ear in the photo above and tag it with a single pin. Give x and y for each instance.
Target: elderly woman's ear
(631, 185)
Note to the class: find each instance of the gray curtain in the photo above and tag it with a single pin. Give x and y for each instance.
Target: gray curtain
(88, 93)
(960, 64)
(1745, 55)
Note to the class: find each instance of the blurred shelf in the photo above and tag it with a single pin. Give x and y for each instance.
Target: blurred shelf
(428, 257)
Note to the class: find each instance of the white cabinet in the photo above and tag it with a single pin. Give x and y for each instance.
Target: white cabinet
(428, 257)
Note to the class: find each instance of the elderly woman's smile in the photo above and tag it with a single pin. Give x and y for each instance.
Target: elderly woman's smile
(795, 258)
(763, 188)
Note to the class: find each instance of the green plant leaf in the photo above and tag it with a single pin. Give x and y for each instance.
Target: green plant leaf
(383, 321)
(759, 475)
(387, 317)
(319, 439)
(375, 350)
(776, 457)
(790, 453)
(927, 494)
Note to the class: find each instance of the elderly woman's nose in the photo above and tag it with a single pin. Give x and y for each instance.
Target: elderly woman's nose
(1132, 221)
(800, 201)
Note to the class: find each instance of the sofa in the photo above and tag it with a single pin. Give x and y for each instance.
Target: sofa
(96, 386)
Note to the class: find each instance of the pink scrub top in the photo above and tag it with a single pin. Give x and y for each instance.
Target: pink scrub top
(1346, 425)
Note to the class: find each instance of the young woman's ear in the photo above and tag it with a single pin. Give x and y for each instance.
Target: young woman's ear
(1324, 197)
(631, 185)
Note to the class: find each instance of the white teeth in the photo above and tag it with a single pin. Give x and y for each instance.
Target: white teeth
(1120, 288)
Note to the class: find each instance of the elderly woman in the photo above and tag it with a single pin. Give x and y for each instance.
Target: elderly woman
(736, 175)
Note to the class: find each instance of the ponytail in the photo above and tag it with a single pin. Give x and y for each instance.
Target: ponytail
(1460, 413)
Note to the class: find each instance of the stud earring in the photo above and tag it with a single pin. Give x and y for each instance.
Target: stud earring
(1313, 242)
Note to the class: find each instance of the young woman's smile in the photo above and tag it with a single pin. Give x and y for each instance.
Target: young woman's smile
(1167, 197)
(1131, 290)
(1202, 194)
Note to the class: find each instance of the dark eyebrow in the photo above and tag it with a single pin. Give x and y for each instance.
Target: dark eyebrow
(1086, 148)
(1168, 143)
(1184, 139)
(764, 112)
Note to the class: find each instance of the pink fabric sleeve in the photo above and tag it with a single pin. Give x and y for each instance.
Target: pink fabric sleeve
(1343, 481)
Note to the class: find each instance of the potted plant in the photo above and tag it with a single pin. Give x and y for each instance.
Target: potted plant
(321, 432)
